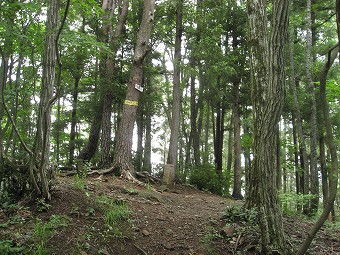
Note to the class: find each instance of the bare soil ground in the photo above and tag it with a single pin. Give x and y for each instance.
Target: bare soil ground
(182, 220)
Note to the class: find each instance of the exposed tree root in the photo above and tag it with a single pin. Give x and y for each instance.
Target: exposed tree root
(125, 174)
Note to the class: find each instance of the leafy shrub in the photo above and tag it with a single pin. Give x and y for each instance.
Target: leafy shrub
(42, 205)
(205, 177)
(237, 213)
(291, 201)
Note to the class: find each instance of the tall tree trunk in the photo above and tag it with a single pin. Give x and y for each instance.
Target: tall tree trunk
(218, 138)
(74, 120)
(237, 141)
(108, 74)
(122, 162)
(311, 181)
(170, 167)
(148, 139)
(297, 114)
(140, 132)
(6, 51)
(206, 136)
(195, 138)
(333, 171)
(266, 56)
(230, 154)
(41, 148)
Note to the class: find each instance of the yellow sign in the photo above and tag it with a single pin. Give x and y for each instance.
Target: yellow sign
(132, 103)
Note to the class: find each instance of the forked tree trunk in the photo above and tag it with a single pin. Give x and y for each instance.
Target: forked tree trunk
(267, 78)
(122, 162)
(108, 74)
(41, 149)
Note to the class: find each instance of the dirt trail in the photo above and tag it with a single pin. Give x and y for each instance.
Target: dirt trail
(179, 225)
(182, 220)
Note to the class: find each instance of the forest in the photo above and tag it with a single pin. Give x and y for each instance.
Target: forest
(117, 116)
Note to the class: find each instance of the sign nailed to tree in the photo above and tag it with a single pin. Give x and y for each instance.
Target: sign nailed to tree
(139, 88)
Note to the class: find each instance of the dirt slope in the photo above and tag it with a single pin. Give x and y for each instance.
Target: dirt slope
(182, 220)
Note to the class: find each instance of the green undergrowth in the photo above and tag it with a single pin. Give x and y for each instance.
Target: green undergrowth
(43, 231)
(118, 220)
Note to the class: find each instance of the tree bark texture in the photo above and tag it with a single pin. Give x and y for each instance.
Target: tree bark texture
(122, 157)
(42, 139)
(267, 78)
(176, 102)
(108, 73)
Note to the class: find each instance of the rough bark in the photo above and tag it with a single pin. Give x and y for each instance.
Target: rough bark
(122, 162)
(41, 149)
(267, 78)
(169, 178)
(108, 73)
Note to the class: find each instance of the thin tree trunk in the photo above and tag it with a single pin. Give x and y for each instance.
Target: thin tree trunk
(170, 168)
(324, 174)
(237, 142)
(278, 161)
(311, 181)
(140, 132)
(195, 138)
(297, 114)
(230, 154)
(333, 171)
(148, 139)
(74, 120)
